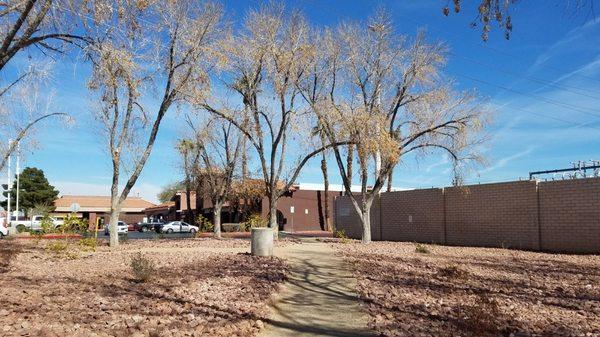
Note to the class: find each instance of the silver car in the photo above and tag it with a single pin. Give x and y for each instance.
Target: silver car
(178, 227)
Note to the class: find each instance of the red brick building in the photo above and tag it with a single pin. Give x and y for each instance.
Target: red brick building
(301, 209)
(97, 208)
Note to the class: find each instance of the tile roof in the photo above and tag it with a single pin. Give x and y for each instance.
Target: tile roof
(90, 203)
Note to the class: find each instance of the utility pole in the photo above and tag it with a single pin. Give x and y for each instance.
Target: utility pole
(8, 181)
(18, 173)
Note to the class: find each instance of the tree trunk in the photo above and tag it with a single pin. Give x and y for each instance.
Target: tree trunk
(389, 183)
(366, 224)
(189, 215)
(273, 216)
(217, 219)
(326, 190)
(115, 207)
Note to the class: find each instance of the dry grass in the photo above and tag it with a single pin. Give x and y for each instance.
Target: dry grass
(199, 289)
(458, 291)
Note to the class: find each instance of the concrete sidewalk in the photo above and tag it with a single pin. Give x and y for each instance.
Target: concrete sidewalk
(319, 299)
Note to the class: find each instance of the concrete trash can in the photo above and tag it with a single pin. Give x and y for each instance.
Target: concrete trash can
(262, 241)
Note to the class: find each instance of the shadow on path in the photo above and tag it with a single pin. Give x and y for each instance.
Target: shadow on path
(319, 299)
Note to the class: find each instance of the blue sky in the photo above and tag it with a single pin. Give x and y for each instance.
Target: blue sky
(544, 84)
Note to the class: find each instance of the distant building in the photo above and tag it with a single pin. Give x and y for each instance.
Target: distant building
(97, 208)
(302, 208)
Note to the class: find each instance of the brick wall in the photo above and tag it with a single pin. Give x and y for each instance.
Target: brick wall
(570, 214)
(559, 216)
(493, 215)
(416, 215)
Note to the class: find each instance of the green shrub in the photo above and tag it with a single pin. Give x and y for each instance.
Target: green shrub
(142, 268)
(46, 225)
(421, 248)
(88, 244)
(57, 247)
(205, 224)
(255, 220)
(341, 234)
(74, 224)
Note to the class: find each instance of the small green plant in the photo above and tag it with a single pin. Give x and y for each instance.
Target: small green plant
(142, 268)
(57, 247)
(341, 234)
(205, 224)
(88, 244)
(255, 220)
(422, 249)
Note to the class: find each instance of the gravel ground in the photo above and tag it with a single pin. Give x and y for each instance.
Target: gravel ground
(203, 292)
(463, 291)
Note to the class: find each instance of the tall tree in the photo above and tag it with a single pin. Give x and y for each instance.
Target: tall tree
(264, 75)
(34, 190)
(219, 146)
(169, 190)
(189, 159)
(372, 88)
(170, 45)
(38, 28)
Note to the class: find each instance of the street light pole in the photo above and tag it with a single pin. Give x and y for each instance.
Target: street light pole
(18, 173)
(8, 180)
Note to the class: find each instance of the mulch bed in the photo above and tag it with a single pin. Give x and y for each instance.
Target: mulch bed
(462, 291)
(194, 293)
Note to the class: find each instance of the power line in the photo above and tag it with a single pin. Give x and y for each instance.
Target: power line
(530, 78)
(540, 98)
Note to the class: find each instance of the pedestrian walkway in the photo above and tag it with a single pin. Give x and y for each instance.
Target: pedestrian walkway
(319, 299)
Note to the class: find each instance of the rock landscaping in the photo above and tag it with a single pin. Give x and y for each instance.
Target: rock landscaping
(197, 287)
(461, 291)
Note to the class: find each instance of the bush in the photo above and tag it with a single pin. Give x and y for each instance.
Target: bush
(57, 247)
(46, 225)
(8, 252)
(421, 248)
(73, 223)
(88, 244)
(254, 221)
(205, 224)
(142, 268)
(452, 270)
(341, 234)
(483, 317)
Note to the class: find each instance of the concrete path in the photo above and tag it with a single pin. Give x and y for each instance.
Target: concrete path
(319, 299)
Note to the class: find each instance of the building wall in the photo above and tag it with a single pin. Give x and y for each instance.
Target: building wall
(559, 216)
(309, 212)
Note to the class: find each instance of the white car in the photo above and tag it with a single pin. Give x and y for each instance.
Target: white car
(178, 227)
(3, 230)
(122, 228)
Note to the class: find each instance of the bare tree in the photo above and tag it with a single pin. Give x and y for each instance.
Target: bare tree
(374, 89)
(173, 54)
(189, 158)
(219, 146)
(264, 74)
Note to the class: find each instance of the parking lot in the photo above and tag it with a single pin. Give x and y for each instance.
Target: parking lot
(135, 235)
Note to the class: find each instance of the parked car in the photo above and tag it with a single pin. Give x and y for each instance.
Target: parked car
(3, 230)
(177, 227)
(35, 223)
(122, 228)
(146, 226)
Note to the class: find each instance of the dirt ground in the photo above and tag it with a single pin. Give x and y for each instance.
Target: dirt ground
(201, 287)
(457, 291)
